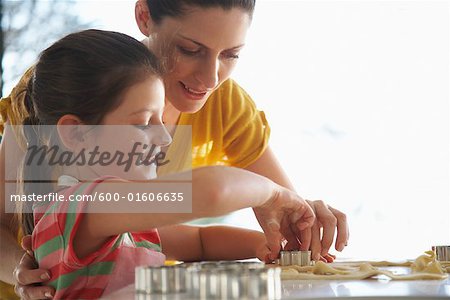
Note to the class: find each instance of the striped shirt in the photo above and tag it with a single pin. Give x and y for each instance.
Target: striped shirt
(99, 273)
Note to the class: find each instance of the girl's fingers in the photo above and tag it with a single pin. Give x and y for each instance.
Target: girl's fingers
(271, 229)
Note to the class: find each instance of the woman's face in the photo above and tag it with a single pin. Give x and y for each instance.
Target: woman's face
(203, 47)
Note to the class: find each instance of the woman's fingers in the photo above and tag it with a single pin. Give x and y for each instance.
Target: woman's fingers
(316, 245)
(27, 246)
(342, 229)
(285, 215)
(329, 222)
(289, 233)
(27, 243)
(34, 292)
(332, 221)
(26, 274)
(303, 215)
(305, 225)
(305, 239)
(329, 258)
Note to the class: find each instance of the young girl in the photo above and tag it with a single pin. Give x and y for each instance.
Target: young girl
(106, 78)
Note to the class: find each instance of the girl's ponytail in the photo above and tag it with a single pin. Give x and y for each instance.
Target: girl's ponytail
(30, 174)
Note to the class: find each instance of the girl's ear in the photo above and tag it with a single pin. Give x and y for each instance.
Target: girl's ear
(143, 19)
(70, 130)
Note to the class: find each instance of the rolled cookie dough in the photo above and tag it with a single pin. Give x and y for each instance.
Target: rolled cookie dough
(425, 267)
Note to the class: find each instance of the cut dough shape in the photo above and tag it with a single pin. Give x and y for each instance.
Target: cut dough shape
(425, 267)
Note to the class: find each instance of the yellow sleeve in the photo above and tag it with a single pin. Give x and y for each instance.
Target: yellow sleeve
(7, 291)
(246, 131)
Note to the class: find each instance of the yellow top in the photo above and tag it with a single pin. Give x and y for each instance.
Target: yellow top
(228, 130)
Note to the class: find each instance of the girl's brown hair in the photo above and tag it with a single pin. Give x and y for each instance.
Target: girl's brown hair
(83, 74)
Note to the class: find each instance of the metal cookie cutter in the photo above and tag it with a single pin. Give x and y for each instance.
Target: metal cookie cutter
(233, 280)
(299, 258)
(160, 280)
(285, 258)
(442, 252)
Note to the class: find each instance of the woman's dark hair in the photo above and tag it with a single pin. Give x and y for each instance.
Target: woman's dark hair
(83, 74)
(174, 8)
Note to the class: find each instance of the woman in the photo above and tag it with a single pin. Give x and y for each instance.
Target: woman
(203, 40)
(90, 87)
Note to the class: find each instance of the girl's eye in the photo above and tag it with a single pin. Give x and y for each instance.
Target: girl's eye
(143, 127)
(188, 52)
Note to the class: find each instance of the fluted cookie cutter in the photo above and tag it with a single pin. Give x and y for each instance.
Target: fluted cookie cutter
(233, 280)
(294, 257)
(442, 252)
(285, 258)
(301, 258)
(211, 280)
(160, 280)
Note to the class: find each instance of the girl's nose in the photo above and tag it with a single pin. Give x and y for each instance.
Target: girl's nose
(162, 137)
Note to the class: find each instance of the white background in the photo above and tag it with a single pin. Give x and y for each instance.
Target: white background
(357, 95)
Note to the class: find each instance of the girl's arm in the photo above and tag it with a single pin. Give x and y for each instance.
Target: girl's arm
(215, 191)
(212, 243)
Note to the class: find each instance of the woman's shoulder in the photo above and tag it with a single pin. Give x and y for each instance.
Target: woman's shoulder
(230, 88)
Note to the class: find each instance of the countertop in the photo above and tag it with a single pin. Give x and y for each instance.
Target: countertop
(336, 289)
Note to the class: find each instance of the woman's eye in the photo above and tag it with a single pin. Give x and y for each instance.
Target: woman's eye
(231, 55)
(188, 52)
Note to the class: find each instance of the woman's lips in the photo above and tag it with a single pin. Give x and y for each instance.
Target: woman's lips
(191, 93)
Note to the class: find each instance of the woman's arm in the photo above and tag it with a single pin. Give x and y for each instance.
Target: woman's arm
(16, 266)
(330, 218)
(215, 191)
(10, 251)
(212, 243)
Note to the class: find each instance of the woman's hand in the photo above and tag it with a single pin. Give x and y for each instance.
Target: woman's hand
(286, 216)
(329, 220)
(27, 274)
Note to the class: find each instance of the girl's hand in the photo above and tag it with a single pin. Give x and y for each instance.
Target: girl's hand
(285, 216)
(263, 253)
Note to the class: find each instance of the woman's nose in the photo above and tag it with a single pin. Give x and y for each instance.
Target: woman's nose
(208, 73)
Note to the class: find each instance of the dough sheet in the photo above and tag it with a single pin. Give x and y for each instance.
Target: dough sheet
(425, 267)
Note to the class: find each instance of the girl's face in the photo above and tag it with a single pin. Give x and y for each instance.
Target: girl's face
(203, 47)
(139, 123)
